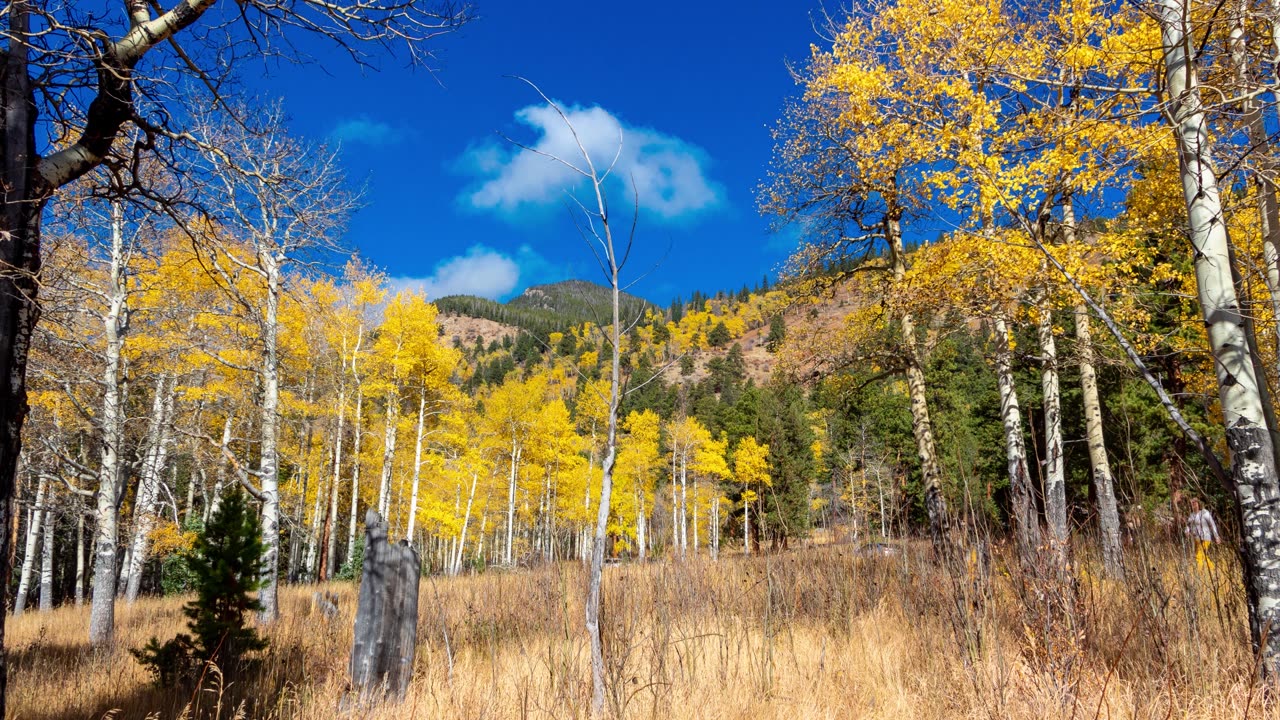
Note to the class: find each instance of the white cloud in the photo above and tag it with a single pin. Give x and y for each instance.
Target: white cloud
(480, 271)
(668, 173)
(363, 129)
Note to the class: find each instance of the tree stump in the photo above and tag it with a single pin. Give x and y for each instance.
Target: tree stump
(386, 630)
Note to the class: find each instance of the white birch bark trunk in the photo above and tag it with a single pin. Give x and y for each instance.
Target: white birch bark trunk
(466, 520)
(1260, 140)
(388, 452)
(331, 520)
(1099, 465)
(220, 479)
(111, 425)
(1103, 482)
(269, 464)
(1024, 514)
(684, 505)
(35, 517)
(695, 514)
(46, 563)
(746, 528)
(417, 468)
(1253, 467)
(1055, 484)
(511, 502)
(640, 524)
(715, 528)
(355, 475)
(921, 423)
(79, 584)
(144, 508)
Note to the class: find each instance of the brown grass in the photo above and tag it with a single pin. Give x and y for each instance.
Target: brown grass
(812, 633)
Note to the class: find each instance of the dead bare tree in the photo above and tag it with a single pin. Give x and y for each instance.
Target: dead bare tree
(595, 223)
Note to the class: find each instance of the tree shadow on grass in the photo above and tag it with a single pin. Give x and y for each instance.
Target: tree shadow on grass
(251, 690)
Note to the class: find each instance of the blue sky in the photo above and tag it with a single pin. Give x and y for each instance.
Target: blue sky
(453, 207)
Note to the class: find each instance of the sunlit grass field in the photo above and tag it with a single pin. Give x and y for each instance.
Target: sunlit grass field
(814, 632)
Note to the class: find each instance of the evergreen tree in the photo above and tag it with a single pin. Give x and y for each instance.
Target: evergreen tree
(719, 335)
(227, 564)
(784, 427)
(777, 333)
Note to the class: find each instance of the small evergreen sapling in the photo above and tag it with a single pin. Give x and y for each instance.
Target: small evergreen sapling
(227, 565)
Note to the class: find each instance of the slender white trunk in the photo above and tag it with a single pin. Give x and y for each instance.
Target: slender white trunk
(79, 585)
(1024, 514)
(1055, 484)
(715, 528)
(417, 467)
(269, 467)
(314, 540)
(684, 505)
(675, 505)
(111, 425)
(1260, 140)
(695, 514)
(586, 500)
(144, 507)
(640, 529)
(220, 479)
(746, 528)
(1253, 466)
(388, 452)
(331, 520)
(511, 502)
(466, 520)
(355, 475)
(46, 564)
(35, 515)
(921, 423)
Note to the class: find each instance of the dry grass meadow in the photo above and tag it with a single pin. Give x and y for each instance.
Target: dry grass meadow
(815, 632)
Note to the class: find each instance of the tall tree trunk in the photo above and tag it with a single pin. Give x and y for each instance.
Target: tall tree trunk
(1055, 481)
(746, 527)
(388, 452)
(46, 563)
(1260, 141)
(144, 507)
(1253, 466)
(417, 466)
(329, 557)
(684, 506)
(921, 424)
(715, 527)
(511, 502)
(269, 464)
(20, 255)
(466, 520)
(1025, 517)
(111, 424)
(606, 494)
(35, 517)
(220, 478)
(79, 585)
(1103, 482)
(355, 474)
(640, 528)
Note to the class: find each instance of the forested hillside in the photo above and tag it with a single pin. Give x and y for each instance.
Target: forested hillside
(543, 309)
